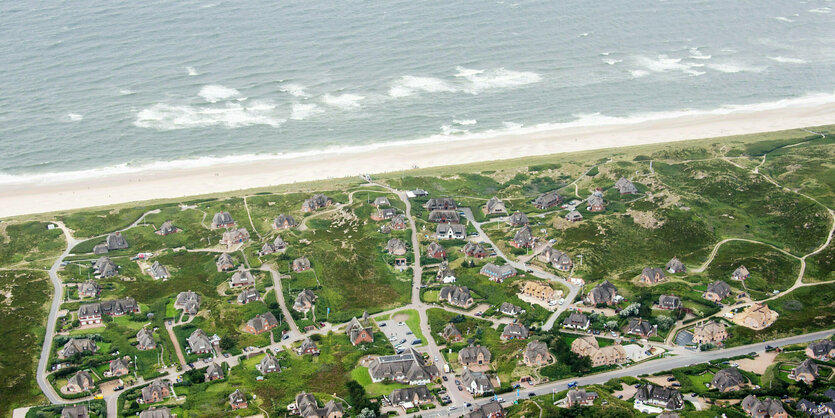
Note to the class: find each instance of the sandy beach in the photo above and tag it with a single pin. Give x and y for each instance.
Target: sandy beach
(20, 199)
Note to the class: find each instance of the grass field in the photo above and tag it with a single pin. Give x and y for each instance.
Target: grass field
(24, 297)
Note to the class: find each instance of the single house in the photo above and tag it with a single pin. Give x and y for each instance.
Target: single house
(237, 400)
(284, 221)
(573, 216)
(417, 395)
(145, 340)
(308, 347)
(118, 367)
(359, 333)
(443, 203)
(268, 364)
(536, 354)
(105, 268)
(717, 291)
(728, 380)
(92, 313)
(541, 290)
(407, 368)
(763, 408)
(474, 355)
(494, 206)
(492, 409)
(396, 247)
(517, 219)
(307, 407)
(155, 392)
(509, 309)
(435, 250)
(675, 266)
(669, 302)
(741, 273)
(261, 323)
(315, 202)
(757, 316)
(547, 200)
(76, 411)
(806, 371)
(596, 202)
(475, 250)
(213, 372)
(301, 264)
(444, 216)
(81, 381)
(652, 275)
(577, 320)
(558, 259)
(249, 295)
(234, 236)
(304, 301)
(199, 342)
(188, 301)
(579, 397)
(89, 289)
(604, 293)
(222, 220)
(587, 346)
(398, 223)
(451, 333)
(710, 332)
(450, 231)
(384, 214)
(641, 328)
(158, 271)
(625, 186)
(381, 201)
(242, 278)
(277, 245)
(167, 228)
(658, 396)
(515, 331)
(523, 238)
(456, 295)
(476, 383)
(225, 262)
(116, 241)
(823, 350)
(445, 274)
(497, 273)
(78, 346)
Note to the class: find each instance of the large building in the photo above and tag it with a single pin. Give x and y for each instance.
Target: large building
(709, 333)
(91, 313)
(658, 396)
(407, 368)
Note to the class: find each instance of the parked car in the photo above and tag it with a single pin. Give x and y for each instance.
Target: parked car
(446, 379)
(531, 394)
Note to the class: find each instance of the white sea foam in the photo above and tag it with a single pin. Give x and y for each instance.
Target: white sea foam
(464, 122)
(788, 60)
(191, 71)
(215, 92)
(639, 73)
(450, 130)
(784, 19)
(698, 55)
(408, 85)
(164, 117)
(821, 10)
(663, 63)
(126, 92)
(74, 117)
(734, 68)
(343, 101)
(296, 90)
(481, 80)
(302, 111)
(611, 61)
(509, 128)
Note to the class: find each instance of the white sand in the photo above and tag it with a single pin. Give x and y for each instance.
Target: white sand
(37, 198)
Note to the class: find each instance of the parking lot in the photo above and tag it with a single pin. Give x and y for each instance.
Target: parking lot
(399, 334)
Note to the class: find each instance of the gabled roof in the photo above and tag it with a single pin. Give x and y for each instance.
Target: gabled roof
(727, 378)
(262, 322)
(515, 330)
(720, 288)
(625, 186)
(470, 354)
(222, 218)
(269, 363)
(518, 218)
(225, 259)
(116, 241)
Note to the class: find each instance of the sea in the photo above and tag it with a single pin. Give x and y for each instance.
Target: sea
(93, 88)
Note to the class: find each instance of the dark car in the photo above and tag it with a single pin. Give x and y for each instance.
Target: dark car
(446, 379)
(671, 379)
(460, 389)
(531, 394)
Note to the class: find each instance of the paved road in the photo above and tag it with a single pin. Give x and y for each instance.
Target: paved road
(58, 294)
(279, 296)
(650, 367)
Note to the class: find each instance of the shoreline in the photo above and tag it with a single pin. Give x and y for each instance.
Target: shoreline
(32, 198)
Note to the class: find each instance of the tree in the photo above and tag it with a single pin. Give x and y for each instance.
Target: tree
(611, 324)
(366, 413)
(631, 310)
(227, 342)
(359, 399)
(665, 322)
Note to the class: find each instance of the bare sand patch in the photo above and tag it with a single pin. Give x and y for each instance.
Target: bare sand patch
(758, 364)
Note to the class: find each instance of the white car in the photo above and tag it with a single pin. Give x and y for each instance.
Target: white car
(562, 300)
(401, 323)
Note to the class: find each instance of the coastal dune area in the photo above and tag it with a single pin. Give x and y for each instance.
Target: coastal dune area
(25, 198)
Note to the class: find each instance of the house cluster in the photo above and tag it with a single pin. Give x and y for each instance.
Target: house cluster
(114, 241)
(556, 258)
(763, 408)
(587, 346)
(91, 313)
(278, 245)
(316, 202)
(407, 368)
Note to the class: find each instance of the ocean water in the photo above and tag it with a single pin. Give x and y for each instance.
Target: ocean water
(90, 88)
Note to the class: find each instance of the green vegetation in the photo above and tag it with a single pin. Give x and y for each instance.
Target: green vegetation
(24, 297)
(29, 244)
